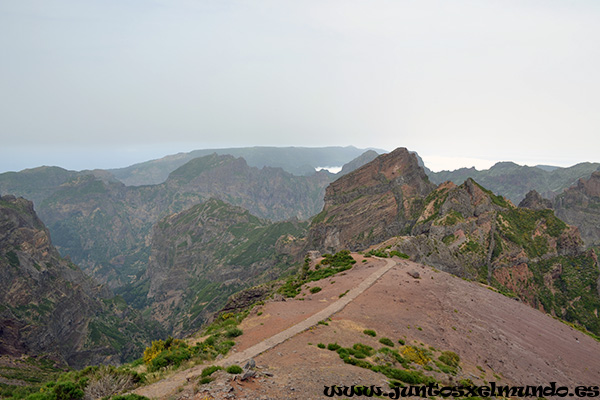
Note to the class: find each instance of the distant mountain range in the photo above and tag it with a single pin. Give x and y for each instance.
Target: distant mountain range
(174, 237)
(300, 161)
(514, 181)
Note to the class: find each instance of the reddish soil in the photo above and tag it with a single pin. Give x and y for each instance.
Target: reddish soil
(497, 338)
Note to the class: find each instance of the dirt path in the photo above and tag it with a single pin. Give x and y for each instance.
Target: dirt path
(169, 385)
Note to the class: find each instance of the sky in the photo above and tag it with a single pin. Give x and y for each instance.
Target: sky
(103, 84)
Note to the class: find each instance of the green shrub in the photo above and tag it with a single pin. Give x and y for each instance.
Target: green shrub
(234, 369)
(445, 368)
(363, 348)
(321, 346)
(130, 396)
(333, 346)
(386, 342)
(370, 332)
(315, 289)
(410, 377)
(233, 332)
(174, 357)
(67, 391)
(210, 370)
(401, 341)
(399, 254)
(450, 358)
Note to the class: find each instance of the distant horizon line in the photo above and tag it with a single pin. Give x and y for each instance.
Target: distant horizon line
(127, 157)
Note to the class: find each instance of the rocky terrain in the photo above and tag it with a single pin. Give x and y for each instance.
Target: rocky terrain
(105, 227)
(202, 255)
(428, 313)
(377, 201)
(579, 205)
(177, 250)
(48, 306)
(466, 230)
(528, 253)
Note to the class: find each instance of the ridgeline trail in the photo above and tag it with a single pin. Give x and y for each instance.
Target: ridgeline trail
(168, 386)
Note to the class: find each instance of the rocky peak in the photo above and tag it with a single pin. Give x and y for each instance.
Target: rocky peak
(579, 205)
(399, 168)
(534, 201)
(381, 199)
(590, 187)
(16, 213)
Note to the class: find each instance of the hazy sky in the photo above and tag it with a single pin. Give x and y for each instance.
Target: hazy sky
(87, 84)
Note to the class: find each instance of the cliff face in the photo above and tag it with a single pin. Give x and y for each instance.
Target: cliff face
(202, 255)
(47, 305)
(579, 205)
(381, 199)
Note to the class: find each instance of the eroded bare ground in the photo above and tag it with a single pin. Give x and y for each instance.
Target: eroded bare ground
(497, 338)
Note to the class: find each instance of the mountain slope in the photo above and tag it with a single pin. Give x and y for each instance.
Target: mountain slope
(106, 226)
(47, 305)
(35, 184)
(465, 230)
(529, 253)
(202, 255)
(493, 339)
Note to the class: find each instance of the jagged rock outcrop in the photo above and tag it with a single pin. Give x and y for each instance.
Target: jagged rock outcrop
(381, 199)
(534, 201)
(470, 232)
(202, 255)
(47, 305)
(466, 230)
(579, 205)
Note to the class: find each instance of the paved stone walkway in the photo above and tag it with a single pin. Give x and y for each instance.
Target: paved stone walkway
(167, 386)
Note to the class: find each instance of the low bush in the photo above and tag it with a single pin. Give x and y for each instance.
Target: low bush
(233, 332)
(234, 369)
(208, 371)
(333, 346)
(449, 358)
(370, 332)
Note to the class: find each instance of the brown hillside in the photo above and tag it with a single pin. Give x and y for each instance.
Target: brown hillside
(497, 338)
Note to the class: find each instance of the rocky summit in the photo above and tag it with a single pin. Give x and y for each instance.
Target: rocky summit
(379, 200)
